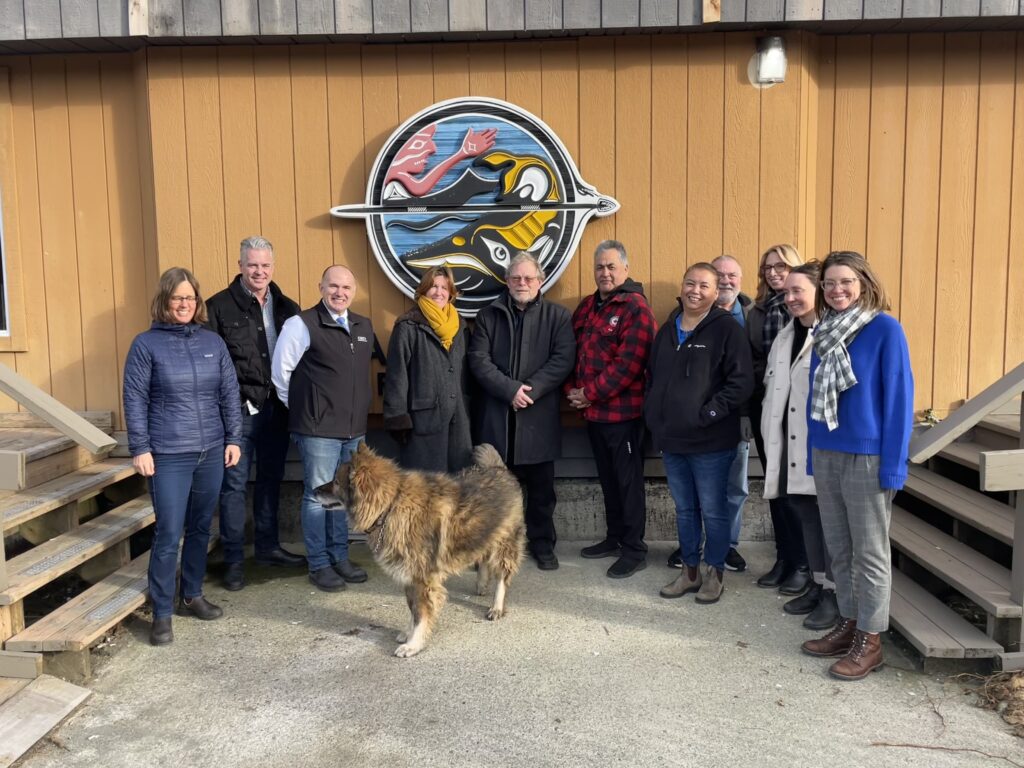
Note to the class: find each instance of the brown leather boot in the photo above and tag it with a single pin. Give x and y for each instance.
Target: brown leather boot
(865, 657)
(835, 643)
(689, 581)
(711, 588)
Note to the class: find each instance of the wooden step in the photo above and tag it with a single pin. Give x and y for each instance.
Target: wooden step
(985, 582)
(1007, 424)
(976, 509)
(964, 452)
(933, 628)
(80, 622)
(29, 457)
(41, 565)
(33, 712)
(21, 506)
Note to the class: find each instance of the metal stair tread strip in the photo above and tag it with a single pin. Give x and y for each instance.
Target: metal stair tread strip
(964, 452)
(53, 558)
(982, 580)
(21, 506)
(970, 506)
(932, 627)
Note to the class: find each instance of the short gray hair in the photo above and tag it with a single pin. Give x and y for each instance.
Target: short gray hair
(254, 243)
(612, 245)
(526, 258)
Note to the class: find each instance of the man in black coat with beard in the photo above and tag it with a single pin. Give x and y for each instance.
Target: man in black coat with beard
(521, 352)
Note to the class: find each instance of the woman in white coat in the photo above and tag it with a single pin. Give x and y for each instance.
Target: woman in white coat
(784, 426)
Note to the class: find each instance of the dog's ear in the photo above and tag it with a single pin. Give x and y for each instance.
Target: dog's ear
(343, 483)
(363, 448)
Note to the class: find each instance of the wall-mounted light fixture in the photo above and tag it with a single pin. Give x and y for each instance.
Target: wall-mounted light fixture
(771, 60)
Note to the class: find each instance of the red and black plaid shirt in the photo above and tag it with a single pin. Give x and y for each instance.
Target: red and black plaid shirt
(613, 342)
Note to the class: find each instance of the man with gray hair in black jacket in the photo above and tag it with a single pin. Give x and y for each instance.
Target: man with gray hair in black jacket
(521, 352)
(249, 315)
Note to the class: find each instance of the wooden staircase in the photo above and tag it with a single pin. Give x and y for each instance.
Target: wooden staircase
(955, 537)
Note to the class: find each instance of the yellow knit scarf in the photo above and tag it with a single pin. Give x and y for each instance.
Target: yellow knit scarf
(444, 320)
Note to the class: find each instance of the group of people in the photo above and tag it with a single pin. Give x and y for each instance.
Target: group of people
(812, 370)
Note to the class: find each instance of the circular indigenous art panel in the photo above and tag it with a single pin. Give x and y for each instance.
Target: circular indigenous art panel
(469, 183)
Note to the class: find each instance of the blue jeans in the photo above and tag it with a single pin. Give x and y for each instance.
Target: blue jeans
(737, 490)
(697, 482)
(184, 490)
(264, 436)
(325, 531)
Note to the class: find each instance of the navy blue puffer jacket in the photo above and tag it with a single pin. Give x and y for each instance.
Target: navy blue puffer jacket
(180, 391)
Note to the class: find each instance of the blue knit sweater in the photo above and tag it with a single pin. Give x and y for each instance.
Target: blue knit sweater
(876, 414)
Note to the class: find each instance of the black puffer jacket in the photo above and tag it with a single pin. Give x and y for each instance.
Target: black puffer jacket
(235, 316)
(697, 389)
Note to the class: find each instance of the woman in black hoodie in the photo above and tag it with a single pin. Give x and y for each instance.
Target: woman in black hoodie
(699, 376)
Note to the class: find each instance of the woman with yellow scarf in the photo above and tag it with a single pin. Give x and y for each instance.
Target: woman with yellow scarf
(425, 398)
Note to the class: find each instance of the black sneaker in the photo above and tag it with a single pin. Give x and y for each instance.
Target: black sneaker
(675, 560)
(326, 580)
(606, 548)
(734, 561)
(624, 567)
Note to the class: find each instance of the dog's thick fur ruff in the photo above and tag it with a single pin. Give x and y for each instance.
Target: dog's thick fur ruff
(423, 527)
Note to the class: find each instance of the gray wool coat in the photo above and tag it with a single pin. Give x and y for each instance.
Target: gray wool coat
(425, 402)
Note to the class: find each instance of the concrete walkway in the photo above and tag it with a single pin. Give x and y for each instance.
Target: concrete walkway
(585, 670)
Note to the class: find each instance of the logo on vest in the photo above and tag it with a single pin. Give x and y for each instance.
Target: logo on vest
(467, 184)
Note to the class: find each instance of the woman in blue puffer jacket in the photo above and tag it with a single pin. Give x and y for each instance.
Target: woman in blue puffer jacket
(184, 427)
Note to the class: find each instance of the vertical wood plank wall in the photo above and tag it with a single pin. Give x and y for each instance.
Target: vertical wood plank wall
(906, 147)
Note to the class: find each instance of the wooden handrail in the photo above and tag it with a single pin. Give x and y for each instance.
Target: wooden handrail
(54, 412)
(928, 442)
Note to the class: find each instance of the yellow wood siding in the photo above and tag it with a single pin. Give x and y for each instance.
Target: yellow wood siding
(906, 147)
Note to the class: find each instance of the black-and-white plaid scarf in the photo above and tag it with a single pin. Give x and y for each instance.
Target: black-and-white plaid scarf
(835, 372)
(775, 318)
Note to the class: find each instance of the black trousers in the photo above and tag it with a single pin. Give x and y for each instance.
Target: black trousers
(538, 481)
(618, 452)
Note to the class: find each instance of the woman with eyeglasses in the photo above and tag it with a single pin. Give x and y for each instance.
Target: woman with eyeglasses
(184, 427)
(784, 427)
(769, 315)
(858, 432)
(425, 403)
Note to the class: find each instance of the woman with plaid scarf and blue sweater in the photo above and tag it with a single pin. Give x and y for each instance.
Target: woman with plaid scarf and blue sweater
(859, 418)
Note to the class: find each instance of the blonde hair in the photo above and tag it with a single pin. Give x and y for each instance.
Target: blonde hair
(160, 307)
(789, 255)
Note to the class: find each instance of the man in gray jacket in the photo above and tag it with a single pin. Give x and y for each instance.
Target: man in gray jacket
(521, 352)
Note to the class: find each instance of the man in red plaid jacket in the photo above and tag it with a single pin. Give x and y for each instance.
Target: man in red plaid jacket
(614, 330)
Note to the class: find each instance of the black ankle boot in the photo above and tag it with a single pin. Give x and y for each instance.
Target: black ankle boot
(807, 602)
(775, 576)
(826, 614)
(797, 582)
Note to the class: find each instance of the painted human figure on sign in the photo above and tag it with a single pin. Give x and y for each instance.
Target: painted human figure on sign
(413, 157)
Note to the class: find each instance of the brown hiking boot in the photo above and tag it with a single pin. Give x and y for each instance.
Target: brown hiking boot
(689, 581)
(711, 588)
(835, 643)
(865, 657)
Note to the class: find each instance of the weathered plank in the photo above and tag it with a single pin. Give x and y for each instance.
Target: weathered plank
(622, 13)
(467, 15)
(732, 10)
(1001, 470)
(882, 9)
(543, 14)
(765, 10)
(982, 512)
(582, 14)
(166, 18)
(203, 18)
(239, 17)
(113, 18)
(659, 13)
(42, 19)
(12, 21)
(278, 17)
(804, 10)
(315, 17)
(840, 10)
(960, 8)
(505, 15)
(1000, 7)
(9, 687)
(922, 9)
(429, 15)
(23, 420)
(21, 665)
(391, 17)
(353, 17)
(33, 712)
(79, 18)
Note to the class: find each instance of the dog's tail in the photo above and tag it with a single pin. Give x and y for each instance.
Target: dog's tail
(486, 455)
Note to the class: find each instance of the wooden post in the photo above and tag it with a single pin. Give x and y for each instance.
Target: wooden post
(3, 565)
(712, 11)
(1017, 563)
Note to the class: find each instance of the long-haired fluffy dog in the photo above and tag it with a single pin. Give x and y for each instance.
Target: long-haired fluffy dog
(422, 527)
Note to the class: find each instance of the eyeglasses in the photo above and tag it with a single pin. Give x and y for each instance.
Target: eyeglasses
(779, 268)
(729, 275)
(523, 279)
(183, 299)
(846, 283)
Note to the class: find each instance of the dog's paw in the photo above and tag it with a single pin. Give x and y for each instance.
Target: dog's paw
(406, 650)
(494, 614)
(401, 637)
